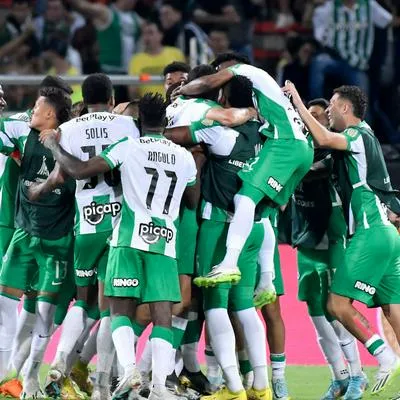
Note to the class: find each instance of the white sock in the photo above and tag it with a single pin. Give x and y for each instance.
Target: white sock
(385, 356)
(189, 356)
(74, 325)
(124, 342)
(349, 347)
(223, 343)
(214, 373)
(8, 328)
(40, 337)
(266, 256)
(161, 361)
(90, 347)
(330, 347)
(105, 348)
(239, 230)
(178, 362)
(23, 339)
(144, 364)
(255, 339)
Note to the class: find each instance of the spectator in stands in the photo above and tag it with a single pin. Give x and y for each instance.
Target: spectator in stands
(218, 40)
(297, 67)
(153, 59)
(181, 32)
(55, 55)
(285, 16)
(176, 72)
(345, 30)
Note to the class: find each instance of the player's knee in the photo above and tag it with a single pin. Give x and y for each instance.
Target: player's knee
(272, 313)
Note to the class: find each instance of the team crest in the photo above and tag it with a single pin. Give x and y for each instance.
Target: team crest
(207, 122)
(352, 132)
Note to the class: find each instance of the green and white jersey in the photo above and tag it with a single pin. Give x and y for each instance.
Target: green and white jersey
(98, 199)
(183, 111)
(350, 31)
(281, 120)
(154, 175)
(366, 210)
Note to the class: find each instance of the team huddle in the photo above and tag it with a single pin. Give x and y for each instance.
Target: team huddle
(169, 213)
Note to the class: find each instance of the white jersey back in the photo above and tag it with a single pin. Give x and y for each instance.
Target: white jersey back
(182, 112)
(154, 175)
(98, 199)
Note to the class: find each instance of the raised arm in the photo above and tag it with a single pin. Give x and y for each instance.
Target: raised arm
(321, 135)
(204, 84)
(71, 165)
(180, 135)
(100, 13)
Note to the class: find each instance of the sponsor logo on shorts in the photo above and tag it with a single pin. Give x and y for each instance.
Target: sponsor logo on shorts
(249, 164)
(125, 282)
(274, 184)
(151, 233)
(94, 213)
(85, 273)
(364, 287)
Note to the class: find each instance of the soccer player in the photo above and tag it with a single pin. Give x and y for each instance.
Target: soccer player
(38, 255)
(283, 161)
(229, 149)
(99, 201)
(176, 72)
(319, 232)
(370, 271)
(155, 174)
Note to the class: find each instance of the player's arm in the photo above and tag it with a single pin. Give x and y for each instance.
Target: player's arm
(321, 135)
(71, 165)
(180, 135)
(231, 116)
(204, 84)
(56, 179)
(195, 161)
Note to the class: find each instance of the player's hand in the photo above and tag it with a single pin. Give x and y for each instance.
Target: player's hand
(34, 192)
(290, 90)
(177, 92)
(49, 137)
(120, 108)
(253, 113)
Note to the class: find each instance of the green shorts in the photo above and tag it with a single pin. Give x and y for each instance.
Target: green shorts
(277, 170)
(371, 269)
(186, 241)
(211, 249)
(65, 296)
(148, 277)
(6, 235)
(32, 263)
(90, 257)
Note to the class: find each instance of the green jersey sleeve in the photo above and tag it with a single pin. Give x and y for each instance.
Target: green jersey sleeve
(13, 135)
(351, 135)
(116, 154)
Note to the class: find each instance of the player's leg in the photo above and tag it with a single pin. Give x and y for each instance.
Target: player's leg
(358, 279)
(16, 275)
(241, 303)
(123, 286)
(274, 174)
(160, 290)
(210, 249)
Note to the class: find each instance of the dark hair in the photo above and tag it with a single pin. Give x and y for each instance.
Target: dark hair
(56, 44)
(152, 110)
(198, 72)
(56, 82)
(318, 102)
(239, 91)
(60, 101)
(78, 109)
(224, 57)
(176, 66)
(357, 98)
(97, 89)
(218, 28)
(154, 21)
(14, 2)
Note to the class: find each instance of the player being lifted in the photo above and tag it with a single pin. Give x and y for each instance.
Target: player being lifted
(371, 269)
(98, 203)
(283, 161)
(155, 174)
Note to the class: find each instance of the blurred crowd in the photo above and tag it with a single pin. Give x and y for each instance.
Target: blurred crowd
(328, 43)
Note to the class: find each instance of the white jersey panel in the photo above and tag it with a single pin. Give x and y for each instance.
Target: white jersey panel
(182, 112)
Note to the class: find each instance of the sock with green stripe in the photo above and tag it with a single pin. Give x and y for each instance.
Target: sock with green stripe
(377, 347)
(190, 342)
(124, 342)
(246, 369)
(278, 365)
(8, 328)
(161, 344)
(138, 329)
(214, 373)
